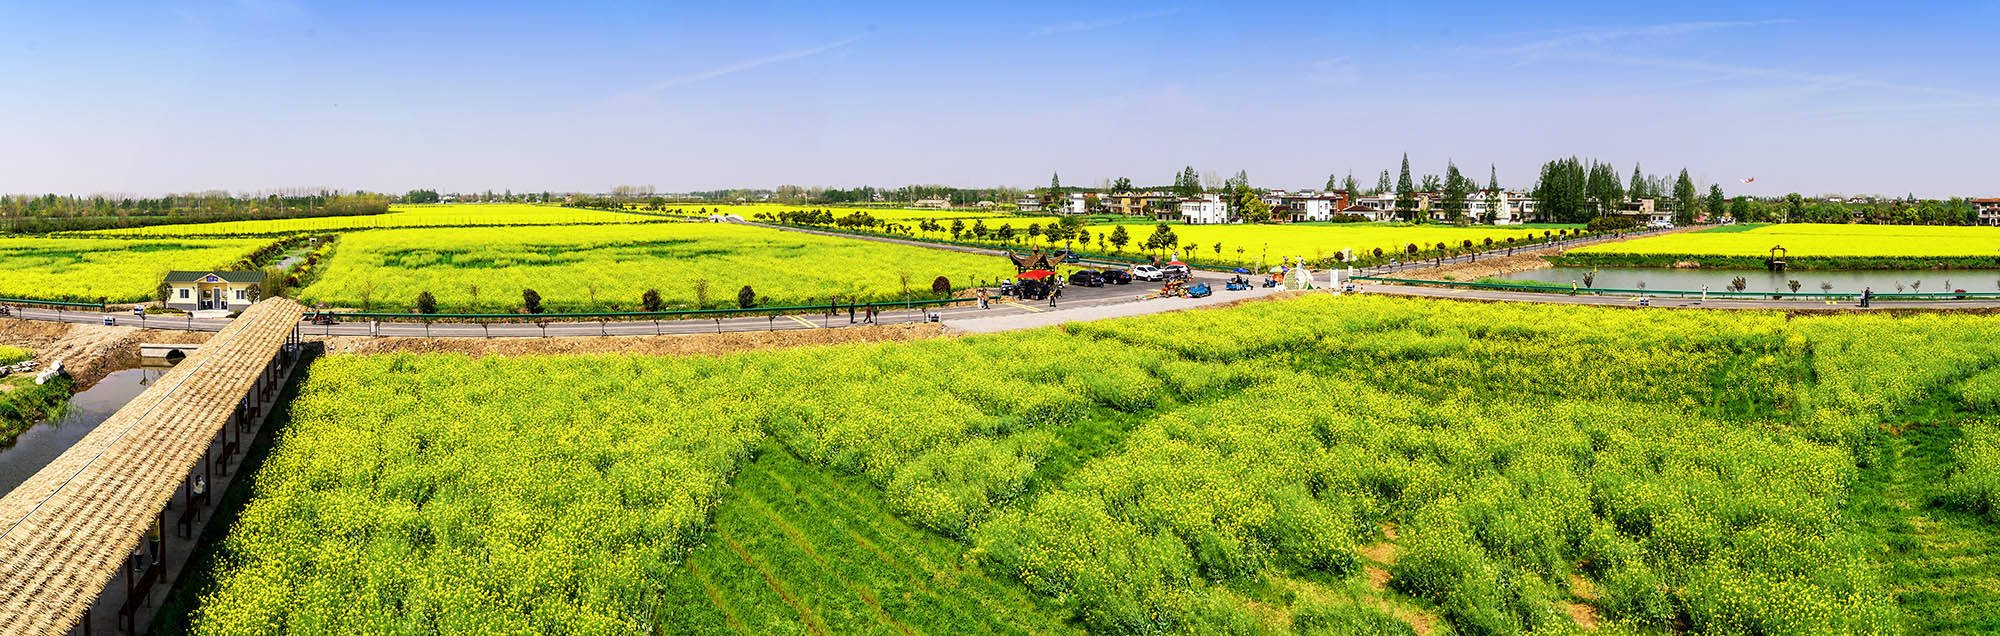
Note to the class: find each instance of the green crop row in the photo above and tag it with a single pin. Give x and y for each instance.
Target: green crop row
(1668, 470)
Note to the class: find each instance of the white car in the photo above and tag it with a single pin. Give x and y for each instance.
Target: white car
(1181, 271)
(1148, 272)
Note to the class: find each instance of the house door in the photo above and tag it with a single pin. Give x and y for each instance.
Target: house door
(207, 298)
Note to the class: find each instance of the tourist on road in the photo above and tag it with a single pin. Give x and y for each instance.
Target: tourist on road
(1867, 294)
(983, 302)
(1704, 295)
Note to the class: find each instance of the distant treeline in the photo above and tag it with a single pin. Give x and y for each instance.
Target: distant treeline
(51, 213)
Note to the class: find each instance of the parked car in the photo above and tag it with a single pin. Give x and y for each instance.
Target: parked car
(1086, 278)
(1148, 272)
(1199, 290)
(1118, 276)
(1066, 256)
(1181, 271)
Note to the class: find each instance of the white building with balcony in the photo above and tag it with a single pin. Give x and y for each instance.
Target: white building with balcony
(1209, 209)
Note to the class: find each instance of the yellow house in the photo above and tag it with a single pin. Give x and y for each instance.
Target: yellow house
(195, 291)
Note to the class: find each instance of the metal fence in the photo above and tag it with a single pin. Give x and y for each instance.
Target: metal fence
(1550, 289)
(99, 305)
(681, 314)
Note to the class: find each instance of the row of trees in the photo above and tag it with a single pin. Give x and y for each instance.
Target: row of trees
(199, 205)
(1570, 190)
(1795, 208)
(52, 213)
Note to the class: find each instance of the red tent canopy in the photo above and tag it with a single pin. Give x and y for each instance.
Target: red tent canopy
(1037, 274)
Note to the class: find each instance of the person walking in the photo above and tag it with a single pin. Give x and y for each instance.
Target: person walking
(1054, 292)
(153, 539)
(1704, 295)
(1867, 294)
(983, 303)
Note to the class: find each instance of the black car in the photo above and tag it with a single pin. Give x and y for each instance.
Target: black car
(1086, 278)
(1118, 276)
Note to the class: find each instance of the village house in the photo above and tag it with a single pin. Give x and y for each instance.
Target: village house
(197, 290)
(933, 203)
(1366, 212)
(1208, 209)
(1308, 206)
(1028, 203)
(1989, 210)
(1131, 203)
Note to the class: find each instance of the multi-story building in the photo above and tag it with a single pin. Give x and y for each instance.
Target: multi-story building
(1206, 210)
(1310, 206)
(1366, 212)
(1648, 212)
(1989, 210)
(1132, 203)
(1028, 203)
(1513, 208)
(1075, 204)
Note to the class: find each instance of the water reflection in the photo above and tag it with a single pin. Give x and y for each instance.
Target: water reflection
(1972, 280)
(43, 442)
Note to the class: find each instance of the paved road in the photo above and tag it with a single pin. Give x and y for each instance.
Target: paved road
(1098, 300)
(1073, 297)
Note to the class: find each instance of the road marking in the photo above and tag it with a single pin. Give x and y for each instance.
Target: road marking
(802, 321)
(1026, 307)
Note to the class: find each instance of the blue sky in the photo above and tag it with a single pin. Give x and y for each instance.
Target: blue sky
(155, 97)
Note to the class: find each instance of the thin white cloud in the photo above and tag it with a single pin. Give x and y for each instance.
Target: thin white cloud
(1863, 95)
(738, 67)
(1542, 48)
(1336, 71)
(1081, 25)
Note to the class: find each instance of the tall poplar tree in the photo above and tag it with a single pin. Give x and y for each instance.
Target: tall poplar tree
(1406, 193)
(1456, 187)
(1685, 199)
(1493, 199)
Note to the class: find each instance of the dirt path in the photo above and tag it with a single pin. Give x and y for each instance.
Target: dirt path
(88, 352)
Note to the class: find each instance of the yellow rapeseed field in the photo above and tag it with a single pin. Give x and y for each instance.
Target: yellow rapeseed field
(1818, 240)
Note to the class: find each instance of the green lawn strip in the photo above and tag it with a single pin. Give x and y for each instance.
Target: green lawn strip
(942, 563)
(926, 570)
(1737, 227)
(792, 540)
(1102, 432)
(1942, 565)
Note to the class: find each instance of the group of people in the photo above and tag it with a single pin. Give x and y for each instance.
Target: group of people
(1024, 289)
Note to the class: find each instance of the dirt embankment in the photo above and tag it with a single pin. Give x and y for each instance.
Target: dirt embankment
(681, 345)
(1496, 266)
(88, 352)
(1520, 261)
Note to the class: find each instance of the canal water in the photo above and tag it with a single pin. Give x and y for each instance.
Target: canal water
(43, 442)
(1843, 281)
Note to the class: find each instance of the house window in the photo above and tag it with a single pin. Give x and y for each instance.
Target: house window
(239, 294)
(184, 293)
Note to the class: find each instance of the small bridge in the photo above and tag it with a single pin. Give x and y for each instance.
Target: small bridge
(68, 531)
(169, 351)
